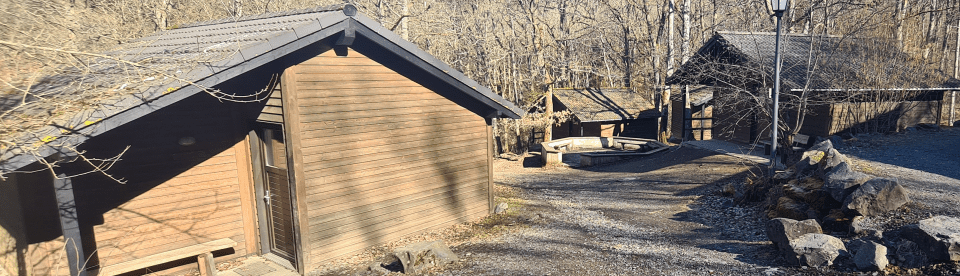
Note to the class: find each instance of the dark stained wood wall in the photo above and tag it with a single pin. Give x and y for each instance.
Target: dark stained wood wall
(175, 196)
(818, 121)
(196, 206)
(12, 229)
(881, 116)
(676, 126)
(273, 110)
(383, 157)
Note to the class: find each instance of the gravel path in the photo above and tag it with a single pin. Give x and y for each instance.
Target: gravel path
(660, 215)
(664, 214)
(927, 163)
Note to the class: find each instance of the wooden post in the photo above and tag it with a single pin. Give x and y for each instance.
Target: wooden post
(207, 266)
(953, 108)
(491, 203)
(291, 128)
(70, 224)
(687, 115)
(548, 102)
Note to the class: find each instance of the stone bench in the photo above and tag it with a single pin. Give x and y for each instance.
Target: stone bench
(203, 252)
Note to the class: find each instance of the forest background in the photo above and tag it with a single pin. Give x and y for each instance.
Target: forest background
(518, 48)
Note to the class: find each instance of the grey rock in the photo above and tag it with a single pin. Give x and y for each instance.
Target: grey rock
(938, 237)
(378, 268)
(815, 250)
(501, 207)
(824, 146)
(841, 181)
(854, 245)
(808, 163)
(781, 231)
(909, 255)
(836, 140)
(871, 257)
(831, 159)
(877, 196)
(419, 256)
(789, 208)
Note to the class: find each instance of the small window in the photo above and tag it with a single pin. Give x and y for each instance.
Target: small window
(274, 150)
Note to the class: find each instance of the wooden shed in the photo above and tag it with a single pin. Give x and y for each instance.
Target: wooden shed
(605, 112)
(320, 133)
(692, 113)
(855, 84)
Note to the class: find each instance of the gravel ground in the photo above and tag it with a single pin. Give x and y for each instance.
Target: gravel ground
(927, 163)
(664, 214)
(659, 215)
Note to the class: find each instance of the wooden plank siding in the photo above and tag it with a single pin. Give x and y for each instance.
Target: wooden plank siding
(383, 157)
(175, 195)
(199, 205)
(881, 116)
(12, 231)
(273, 110)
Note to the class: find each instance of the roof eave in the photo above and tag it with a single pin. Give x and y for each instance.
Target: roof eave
(439, 69)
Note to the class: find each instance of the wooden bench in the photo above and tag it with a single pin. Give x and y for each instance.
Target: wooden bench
(800, 142)
(202, 251)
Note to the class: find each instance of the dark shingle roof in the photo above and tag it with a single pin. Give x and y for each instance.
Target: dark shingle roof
(111, 91)
(605, 104)
(836, 63)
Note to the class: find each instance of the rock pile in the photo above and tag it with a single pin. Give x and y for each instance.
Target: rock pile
(802, 243)
(824, 186)
(823, 192)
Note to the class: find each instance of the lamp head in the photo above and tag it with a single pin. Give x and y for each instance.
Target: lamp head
(779, 6)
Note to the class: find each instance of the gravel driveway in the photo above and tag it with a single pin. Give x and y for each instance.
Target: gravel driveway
(665, 215)
(659, 215)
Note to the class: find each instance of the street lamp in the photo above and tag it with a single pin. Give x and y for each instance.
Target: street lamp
(778, 7)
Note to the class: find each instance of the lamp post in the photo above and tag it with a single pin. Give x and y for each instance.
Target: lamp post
(778, 7)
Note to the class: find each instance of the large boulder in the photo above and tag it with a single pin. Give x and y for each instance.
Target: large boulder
(810, 160)
(815, 250)
(808, 163)
(789, 208)
(781, 231)
(416, 257)
(871, 257)
(908, 254)
(877, 196)
(841, 180)
(830, 160)
(938, 237)
(824, 146)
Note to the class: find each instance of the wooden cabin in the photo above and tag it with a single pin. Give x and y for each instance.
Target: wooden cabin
(692, 113)
(320, 134)
(855, 85)
(605, 112)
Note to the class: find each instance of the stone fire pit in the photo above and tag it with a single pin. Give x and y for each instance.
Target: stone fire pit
(598, 150)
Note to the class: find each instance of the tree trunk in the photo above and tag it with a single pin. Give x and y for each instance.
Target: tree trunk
(901, 17)
(237, 8)
(160, 15)
(665, 94)
(405, 12)
(685, 46)
(548, 103)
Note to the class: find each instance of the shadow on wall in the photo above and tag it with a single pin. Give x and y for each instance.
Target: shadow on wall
(182, 184)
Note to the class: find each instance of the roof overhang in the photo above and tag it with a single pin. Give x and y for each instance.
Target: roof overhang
(284, 50)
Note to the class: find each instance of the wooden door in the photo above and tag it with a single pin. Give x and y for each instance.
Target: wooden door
(277, 196)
